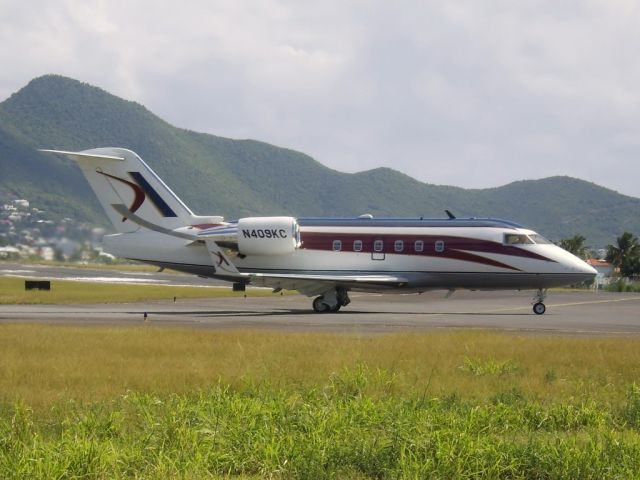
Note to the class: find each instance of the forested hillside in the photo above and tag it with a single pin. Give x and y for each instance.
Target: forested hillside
(216, 175)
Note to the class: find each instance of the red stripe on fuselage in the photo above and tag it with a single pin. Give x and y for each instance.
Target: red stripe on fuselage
(457, 248)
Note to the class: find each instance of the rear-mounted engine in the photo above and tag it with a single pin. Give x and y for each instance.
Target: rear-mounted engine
(267, 235)
(257, 235)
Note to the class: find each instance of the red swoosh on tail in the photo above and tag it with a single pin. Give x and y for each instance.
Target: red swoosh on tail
(138, 192)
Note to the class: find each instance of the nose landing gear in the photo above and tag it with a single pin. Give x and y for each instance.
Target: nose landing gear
(538, 307)
(331, 301)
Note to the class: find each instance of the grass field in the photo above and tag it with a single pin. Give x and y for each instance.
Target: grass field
(66, 292)
(149, 402)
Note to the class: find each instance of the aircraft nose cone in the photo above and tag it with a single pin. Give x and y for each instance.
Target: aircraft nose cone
(582, 269)
(576, 268)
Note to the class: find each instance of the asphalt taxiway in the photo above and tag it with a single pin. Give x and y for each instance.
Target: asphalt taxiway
(570, 313)
(103, 275)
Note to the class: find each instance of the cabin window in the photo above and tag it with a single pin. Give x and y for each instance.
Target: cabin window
(357, 245)
(418, 246)
(517, 239)
(398, 245)
(378, 246)
(439, 246)
(337, 245)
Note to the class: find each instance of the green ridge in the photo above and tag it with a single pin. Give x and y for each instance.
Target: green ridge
(235, 178)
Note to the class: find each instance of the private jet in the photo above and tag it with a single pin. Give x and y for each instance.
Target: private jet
(325, 258)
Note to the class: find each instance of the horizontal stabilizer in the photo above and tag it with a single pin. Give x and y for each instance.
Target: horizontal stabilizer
(82, 155)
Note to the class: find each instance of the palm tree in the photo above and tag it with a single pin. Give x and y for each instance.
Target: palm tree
(625, 254)
(575, 245)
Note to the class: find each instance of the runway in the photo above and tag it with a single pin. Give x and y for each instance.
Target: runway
(569, 313)
(102, 275)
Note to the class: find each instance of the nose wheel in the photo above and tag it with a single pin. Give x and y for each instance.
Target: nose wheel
(538, 305)
(539, 308)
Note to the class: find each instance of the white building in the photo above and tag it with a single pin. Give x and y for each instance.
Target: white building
(605, 271)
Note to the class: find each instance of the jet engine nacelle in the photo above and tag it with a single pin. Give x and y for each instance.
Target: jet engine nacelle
(267, 235)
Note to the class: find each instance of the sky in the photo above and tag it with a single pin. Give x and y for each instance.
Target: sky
(466, 93)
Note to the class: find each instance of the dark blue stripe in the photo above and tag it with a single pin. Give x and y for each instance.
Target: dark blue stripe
(157, 200)
(406, 222)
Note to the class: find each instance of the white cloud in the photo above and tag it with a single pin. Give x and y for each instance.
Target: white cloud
(468, 93)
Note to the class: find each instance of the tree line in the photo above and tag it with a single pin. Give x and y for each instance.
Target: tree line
(624, 255)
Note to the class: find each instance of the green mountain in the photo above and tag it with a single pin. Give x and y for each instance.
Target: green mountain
(235, 178)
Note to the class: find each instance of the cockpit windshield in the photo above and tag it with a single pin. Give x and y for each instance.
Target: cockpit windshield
(517, 239)
(522, 239)
(539, 239)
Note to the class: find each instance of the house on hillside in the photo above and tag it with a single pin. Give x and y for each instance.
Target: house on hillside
(9, 253)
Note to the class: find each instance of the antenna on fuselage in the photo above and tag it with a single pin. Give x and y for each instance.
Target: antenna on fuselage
(450, 215)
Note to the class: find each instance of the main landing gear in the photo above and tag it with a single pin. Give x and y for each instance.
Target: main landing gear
(539, 307)
(331, 301)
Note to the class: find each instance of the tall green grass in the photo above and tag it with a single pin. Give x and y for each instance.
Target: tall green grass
(165, 403)
(334, 430)
(623, 286)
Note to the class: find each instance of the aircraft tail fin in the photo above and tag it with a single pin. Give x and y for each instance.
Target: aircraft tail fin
(121, 179)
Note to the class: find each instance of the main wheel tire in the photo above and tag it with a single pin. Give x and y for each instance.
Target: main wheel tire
(319, 306)
(539, 308)
(336, 307)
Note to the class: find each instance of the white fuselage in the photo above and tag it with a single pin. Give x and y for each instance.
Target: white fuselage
(319, 257)
(469, 254)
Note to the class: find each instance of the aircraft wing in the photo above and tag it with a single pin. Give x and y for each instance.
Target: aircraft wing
(311, 285)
